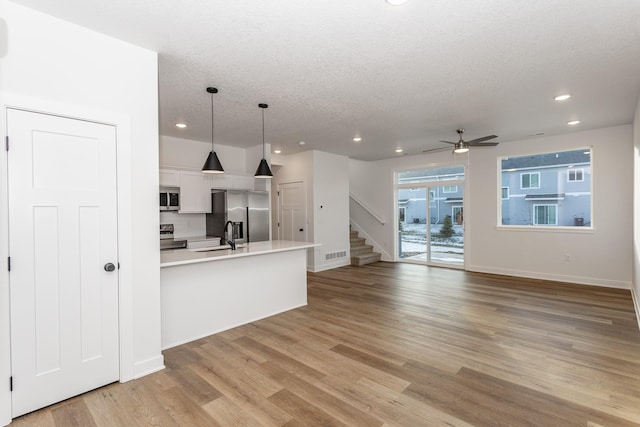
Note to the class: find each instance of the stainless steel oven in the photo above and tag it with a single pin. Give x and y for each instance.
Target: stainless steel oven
(169, 199)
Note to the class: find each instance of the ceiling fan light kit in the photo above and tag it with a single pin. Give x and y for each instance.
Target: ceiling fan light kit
(212, 164)
(460, 147)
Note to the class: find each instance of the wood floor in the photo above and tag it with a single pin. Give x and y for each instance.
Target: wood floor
(396, 344)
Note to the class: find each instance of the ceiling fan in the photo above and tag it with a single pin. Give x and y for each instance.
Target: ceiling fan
(463, 146)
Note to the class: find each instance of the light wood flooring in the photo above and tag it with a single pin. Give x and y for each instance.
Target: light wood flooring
(396, 344)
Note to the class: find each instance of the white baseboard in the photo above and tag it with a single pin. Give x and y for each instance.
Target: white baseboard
(149, 366)
(329, 265)
(636, 305)
(370, 241)
(617, 284)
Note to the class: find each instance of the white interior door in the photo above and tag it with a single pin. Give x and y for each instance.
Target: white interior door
(292, 199)
(62, 235)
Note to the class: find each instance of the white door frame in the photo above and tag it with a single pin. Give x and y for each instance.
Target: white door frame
(427, 186)
(122, 123)
(279, 217)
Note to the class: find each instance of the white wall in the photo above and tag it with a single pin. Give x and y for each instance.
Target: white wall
(189, 154)
(54, 66)
(372, 184)
(330, 206)
(294, 168)
(636, 211)
(326, 182)
(600, 256)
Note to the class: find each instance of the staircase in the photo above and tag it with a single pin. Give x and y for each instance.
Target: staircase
(361, 253)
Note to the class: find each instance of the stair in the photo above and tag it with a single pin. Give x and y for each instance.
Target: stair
(360, 252)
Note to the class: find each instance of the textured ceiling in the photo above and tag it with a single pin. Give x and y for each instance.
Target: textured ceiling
(399, 77)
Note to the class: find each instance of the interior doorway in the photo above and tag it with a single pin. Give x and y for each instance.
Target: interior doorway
(292, 211)
(63, 247)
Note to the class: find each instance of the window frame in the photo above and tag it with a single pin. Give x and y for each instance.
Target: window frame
(589, 165)
(522, 174)
(502, 193)
(575, 170)
(534, 218)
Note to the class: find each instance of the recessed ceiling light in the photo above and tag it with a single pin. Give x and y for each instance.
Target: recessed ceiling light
(397, 2)
(357, 139)
(573, 122)
(181, 125)
(398, 150)
(562, 97)
(277, 151)
(301, 143)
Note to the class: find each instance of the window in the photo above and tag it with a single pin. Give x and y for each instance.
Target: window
(575, 175)
(432, 195)
(530, 180)
(450, 189)
(545, 215)
(401, 214)
(547, 189)
(458, 215)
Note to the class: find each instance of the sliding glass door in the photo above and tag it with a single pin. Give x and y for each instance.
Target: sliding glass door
(430, 206)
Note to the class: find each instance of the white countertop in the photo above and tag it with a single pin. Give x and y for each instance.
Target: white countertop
(170, 258)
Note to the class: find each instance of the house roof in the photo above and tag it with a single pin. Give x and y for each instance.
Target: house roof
(550, 159)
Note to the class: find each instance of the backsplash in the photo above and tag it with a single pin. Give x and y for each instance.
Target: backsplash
(185, 225)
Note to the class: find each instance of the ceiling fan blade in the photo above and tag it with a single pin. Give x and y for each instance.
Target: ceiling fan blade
(482, 144)
(449, 142)
(433, 150)
(484, 138)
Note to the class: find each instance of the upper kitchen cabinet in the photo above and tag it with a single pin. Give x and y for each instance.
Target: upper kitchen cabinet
(169, 178)
(195, 192)
(241, 182)
(232, 181)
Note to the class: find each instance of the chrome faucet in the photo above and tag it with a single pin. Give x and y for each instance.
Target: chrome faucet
(231, 242)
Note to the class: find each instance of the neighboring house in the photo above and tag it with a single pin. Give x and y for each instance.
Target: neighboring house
(547, 189)
(443, 201)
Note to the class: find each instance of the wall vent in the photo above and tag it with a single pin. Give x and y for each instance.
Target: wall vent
(334, 255)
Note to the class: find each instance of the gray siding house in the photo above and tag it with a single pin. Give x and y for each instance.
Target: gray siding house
(548, 189)
(443, 201)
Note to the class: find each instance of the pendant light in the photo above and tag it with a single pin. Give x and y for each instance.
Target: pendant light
(212, 164)
(263, 170)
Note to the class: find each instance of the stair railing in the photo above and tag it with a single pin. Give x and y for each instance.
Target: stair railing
(367, 209)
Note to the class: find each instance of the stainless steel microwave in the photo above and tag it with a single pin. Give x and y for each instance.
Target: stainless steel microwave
(169, 199)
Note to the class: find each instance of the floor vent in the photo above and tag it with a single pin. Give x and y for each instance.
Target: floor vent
(334, 255)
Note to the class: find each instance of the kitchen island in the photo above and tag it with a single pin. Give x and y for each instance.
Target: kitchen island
(208, 291)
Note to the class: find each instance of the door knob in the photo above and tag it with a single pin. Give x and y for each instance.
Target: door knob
(109, 267)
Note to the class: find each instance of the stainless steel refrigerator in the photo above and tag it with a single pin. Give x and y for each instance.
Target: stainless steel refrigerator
(247, 210)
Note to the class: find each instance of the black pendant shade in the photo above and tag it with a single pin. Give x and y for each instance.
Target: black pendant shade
(263, 170)
(212, 165)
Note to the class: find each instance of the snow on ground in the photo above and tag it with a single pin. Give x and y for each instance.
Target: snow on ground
(414, 243)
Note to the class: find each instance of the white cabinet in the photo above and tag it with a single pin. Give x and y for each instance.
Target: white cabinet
(260, 184)
(241, 182)
(221, 181)
(169, 178)
(231, 181)
(195, 192)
